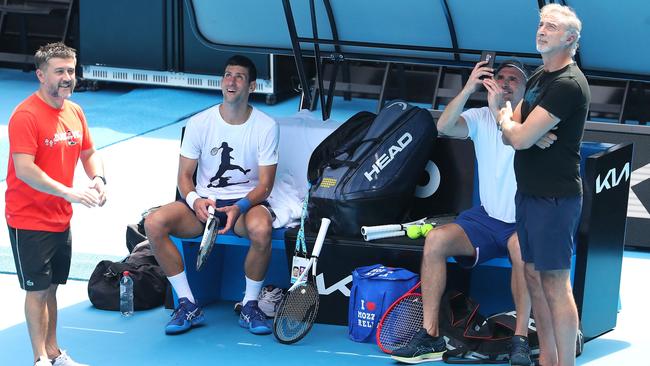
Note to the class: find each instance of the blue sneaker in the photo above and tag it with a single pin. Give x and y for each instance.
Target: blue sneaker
(252, 318)
(184, 317)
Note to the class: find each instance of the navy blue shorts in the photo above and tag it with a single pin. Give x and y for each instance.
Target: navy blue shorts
(546, 227)
(42, 258)
(488, 235)
(223, 203)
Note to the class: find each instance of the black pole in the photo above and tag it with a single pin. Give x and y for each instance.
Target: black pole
(297, 54)
(319, 65)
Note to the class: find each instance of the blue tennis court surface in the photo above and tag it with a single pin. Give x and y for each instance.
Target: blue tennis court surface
(140, 340)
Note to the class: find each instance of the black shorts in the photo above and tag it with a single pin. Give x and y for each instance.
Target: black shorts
(42, 258)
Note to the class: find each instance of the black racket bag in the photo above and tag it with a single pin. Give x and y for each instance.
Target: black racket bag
(366, 171)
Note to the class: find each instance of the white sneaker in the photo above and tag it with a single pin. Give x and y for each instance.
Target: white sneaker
(269, 299)
(43, 361)
(65, 360)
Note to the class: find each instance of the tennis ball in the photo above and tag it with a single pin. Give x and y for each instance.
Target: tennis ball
(414, 232)
(425, 229)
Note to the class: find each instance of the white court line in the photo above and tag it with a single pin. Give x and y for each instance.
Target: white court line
(249, 344)
(96, 330)
(378, 356)
(326, 351)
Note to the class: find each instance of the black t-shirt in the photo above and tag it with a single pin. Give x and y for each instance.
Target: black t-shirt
(555, 171)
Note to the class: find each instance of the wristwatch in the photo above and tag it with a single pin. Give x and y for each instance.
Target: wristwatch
(100, 177)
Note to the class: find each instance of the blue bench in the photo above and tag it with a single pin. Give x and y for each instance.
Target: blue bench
(222, 277)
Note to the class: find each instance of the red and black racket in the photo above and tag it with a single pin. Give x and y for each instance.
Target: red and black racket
(401, 321)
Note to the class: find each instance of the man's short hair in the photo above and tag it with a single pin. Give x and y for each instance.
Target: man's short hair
(243, 61)
(516, 64)
(53, 50)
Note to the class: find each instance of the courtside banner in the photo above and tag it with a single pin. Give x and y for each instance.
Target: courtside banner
(374, 289)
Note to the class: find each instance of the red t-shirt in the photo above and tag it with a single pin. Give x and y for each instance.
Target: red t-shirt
(55, 137)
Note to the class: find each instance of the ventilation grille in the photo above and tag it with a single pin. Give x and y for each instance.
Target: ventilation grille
(100, 74)
(194, 82)
(120, 75)
(164, 78)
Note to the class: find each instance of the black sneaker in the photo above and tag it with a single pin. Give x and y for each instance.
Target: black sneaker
(422, 348)
(520, 351)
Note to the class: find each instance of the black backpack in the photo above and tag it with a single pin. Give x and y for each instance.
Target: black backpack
(149, 281)
(366, 171)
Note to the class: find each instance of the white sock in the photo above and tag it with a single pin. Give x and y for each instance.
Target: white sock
(181, 286)
(253, 289)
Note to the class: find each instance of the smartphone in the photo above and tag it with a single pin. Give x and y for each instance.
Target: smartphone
(488, 56)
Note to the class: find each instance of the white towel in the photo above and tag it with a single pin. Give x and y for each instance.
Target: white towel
(286, 202)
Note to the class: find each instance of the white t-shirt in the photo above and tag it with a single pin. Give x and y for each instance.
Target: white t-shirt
(229, 156)
(496, 174)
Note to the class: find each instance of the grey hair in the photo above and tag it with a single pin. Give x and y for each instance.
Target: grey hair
(568, 18)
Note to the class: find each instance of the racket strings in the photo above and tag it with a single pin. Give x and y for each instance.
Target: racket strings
(401, 323)
(297, 313)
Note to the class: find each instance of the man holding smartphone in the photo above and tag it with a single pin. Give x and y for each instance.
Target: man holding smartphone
(549, 188)
(486, 231)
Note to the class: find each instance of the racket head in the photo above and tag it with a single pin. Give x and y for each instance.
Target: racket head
(207, 241)
(296, 313)
(401, 321)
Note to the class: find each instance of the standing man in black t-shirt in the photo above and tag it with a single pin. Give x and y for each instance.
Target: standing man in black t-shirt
(549, 189)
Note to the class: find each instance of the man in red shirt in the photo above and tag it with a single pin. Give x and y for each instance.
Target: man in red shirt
(48, 135)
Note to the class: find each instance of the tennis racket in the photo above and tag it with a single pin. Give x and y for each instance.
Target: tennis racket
(369, 230)
(209, 237)
(401, 321)
(299, 308)
(388, 231)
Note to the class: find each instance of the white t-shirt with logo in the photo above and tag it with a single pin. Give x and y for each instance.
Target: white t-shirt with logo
(496, 174)
(229, 156)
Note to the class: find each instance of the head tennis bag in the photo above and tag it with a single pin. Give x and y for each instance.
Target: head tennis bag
(374, 289)
(366, 171)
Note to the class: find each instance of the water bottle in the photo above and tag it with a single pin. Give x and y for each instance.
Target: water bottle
(126, 294)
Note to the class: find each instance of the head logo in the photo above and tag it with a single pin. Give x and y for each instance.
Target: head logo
(29, 283)
(384, 159)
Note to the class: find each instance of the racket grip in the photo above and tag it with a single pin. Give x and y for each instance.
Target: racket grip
(213, 198)
(369, 230)
(322, 232)
(383, 235)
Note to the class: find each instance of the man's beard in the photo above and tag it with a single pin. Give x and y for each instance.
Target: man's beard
(54, 91)
(542, 49)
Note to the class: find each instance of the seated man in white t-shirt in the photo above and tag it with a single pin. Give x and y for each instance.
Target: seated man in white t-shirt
(481, 232)
(233, 147)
